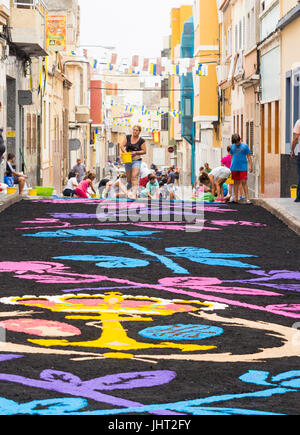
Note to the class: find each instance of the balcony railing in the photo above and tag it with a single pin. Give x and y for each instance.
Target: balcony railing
(27, 22)
(39, 5)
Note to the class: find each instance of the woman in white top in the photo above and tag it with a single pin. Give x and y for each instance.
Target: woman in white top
(69, 190)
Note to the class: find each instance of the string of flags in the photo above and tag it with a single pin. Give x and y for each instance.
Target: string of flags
(139, 66)
(143, 110)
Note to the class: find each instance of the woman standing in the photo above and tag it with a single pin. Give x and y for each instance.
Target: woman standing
(135, 145)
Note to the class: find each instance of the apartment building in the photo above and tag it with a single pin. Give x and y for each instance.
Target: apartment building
(44, 89)
(224, 72)
(26, 40)
(206, 110)
(179, 16)
(250, 86)
(4, 16)
(72, 73)
(270, 98)
(289, 27)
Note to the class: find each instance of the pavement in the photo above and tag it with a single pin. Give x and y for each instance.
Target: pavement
(8, 200)
(284, 209)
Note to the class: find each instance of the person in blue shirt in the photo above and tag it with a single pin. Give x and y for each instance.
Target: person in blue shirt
(152, 189)
(240, 166)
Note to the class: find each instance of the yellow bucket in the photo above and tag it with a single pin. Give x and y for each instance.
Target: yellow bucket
(32, 192)
(126, 158)
(294, 189)
(11, 191)
(230, 181)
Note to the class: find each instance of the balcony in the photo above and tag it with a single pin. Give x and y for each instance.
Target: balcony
(27, 23)
(4, 12)
(222, 75)
(82, 114)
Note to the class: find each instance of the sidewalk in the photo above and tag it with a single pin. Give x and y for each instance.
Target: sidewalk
(8, 200)
(284, 209)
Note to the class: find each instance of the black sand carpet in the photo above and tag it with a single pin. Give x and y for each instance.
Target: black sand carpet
(147, 318)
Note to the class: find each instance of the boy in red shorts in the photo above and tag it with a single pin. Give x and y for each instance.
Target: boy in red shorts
(241, 164)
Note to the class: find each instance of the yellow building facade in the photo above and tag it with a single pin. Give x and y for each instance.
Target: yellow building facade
(178, 17)
(206, 102)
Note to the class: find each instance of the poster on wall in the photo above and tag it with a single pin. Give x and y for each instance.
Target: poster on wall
(56, 33)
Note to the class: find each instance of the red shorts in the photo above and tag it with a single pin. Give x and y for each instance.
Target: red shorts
(239, 175)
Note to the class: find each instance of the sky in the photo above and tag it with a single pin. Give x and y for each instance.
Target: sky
(132, 26)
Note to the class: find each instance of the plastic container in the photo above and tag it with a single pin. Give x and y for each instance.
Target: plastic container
(11, 191)
(32, 192)
(126, 157)
(230, 181)
(294, 189)
(44, 191)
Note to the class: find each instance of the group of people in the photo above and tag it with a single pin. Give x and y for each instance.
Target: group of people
(229, 181)
(136, 180)
(152, 184)
(80, 182)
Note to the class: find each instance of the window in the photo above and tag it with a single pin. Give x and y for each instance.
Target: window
(188, 107)
(269, 22)
(296, 96)
(288, 109)
(276, 127)
(251, 142)
(29, 133)
(271, 75)
(242, 126)
(165, 122)
(269, 128)
(164, 88)
(34, 133)
(229, 42)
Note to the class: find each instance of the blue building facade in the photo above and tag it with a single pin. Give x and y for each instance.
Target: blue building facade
(187, 91)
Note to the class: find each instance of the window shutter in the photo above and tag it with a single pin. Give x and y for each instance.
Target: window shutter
(296, 96)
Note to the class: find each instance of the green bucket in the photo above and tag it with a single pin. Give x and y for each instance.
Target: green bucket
(44, 191)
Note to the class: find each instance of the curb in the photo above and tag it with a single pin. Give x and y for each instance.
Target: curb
(280, 213)
(8, 201)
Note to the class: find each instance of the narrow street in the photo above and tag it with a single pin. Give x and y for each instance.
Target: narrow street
(147, 318)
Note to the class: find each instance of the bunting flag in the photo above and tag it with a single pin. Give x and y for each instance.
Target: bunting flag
(153, 69)
(129, 109)
(161, 67)
(135, 61)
